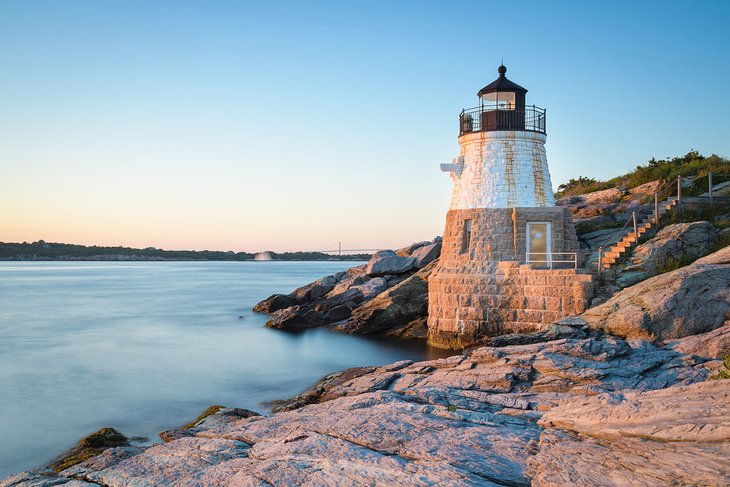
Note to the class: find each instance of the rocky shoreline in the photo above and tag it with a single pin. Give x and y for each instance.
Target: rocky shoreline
(386, 297)
(583, 402)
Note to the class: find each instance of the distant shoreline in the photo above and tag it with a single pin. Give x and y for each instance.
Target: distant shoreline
(49, 251)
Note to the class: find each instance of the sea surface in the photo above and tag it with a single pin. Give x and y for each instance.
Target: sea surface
(143, 347)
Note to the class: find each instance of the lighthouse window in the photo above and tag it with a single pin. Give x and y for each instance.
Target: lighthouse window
(466, 239)
(500, 100)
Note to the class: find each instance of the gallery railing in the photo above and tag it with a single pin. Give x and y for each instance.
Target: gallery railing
(485, 119)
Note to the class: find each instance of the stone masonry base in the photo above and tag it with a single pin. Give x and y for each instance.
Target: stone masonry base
(466, 306)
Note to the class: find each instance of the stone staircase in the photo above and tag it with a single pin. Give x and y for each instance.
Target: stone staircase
(612, 254)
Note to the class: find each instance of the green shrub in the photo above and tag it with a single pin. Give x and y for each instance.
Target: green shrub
(588, 227)
(581, 185)
(721, 242)
(725, 373)
(696, 213)
(671, 264)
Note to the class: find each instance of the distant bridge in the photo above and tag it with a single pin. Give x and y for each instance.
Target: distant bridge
(340, 250)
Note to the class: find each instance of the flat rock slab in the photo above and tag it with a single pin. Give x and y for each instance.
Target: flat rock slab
(539, 413)
(675, 436)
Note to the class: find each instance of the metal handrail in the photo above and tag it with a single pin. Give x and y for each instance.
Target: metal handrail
(484, 118)
(549, 260)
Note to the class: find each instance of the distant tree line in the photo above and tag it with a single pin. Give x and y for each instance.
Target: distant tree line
(42, 250)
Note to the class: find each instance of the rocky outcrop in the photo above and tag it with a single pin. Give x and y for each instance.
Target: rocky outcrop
(713, 344)
(688, 301)
(212, 415)
(392, 310)
(514, 415)
(608, 207)
(675, 436)
(427, 254)
(387, 296)
(89, 446)
(387, 262)
(673, 246)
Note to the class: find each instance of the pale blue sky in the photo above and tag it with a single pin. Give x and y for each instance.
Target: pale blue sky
(287, 125)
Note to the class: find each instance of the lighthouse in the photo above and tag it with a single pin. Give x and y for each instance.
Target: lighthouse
(510, 258)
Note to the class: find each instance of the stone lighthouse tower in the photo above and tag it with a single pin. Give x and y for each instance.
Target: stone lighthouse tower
(509, 261)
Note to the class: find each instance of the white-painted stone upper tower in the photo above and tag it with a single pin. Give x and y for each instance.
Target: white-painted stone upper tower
(502, 161)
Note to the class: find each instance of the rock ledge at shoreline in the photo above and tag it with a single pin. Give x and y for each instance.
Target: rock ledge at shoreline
(612, 397)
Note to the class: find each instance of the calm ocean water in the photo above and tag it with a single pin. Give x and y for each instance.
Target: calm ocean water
(144, 347)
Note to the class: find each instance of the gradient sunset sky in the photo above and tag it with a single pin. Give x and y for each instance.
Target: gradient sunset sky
(248, 126)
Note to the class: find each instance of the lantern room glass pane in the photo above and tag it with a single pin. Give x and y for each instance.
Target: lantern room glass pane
(503, 100)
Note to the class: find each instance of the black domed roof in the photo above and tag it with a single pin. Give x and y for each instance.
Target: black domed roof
(501, 84)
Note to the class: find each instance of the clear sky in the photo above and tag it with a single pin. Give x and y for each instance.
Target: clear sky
(294, 125)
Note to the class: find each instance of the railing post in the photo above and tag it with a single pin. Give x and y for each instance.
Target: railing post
(656, 209)
(679, 193)
(575, 260)
(709, 181)
(636, 233)
(600, 259)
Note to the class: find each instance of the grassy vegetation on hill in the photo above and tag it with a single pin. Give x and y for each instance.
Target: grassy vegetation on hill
(692, 164)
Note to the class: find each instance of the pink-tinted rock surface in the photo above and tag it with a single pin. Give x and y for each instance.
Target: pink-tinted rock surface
(547, 413)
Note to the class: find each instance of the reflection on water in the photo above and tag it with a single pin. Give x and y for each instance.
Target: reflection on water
(144, 347)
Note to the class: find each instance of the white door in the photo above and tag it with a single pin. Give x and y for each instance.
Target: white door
(539, 244)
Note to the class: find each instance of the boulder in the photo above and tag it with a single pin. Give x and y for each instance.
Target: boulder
(90, 446)
(353, 294)
(713, 344)
(604, 196)
(426, 254)
(372, 288)
(303, 295)
(594, 210)
(408, 250)
(388, 262)
(338, 313)
(673, 245)
(275, 302)
(314, 290)
(295, 318)
(352, 277)
(687, 301)
(414, 330)
(392, 309)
